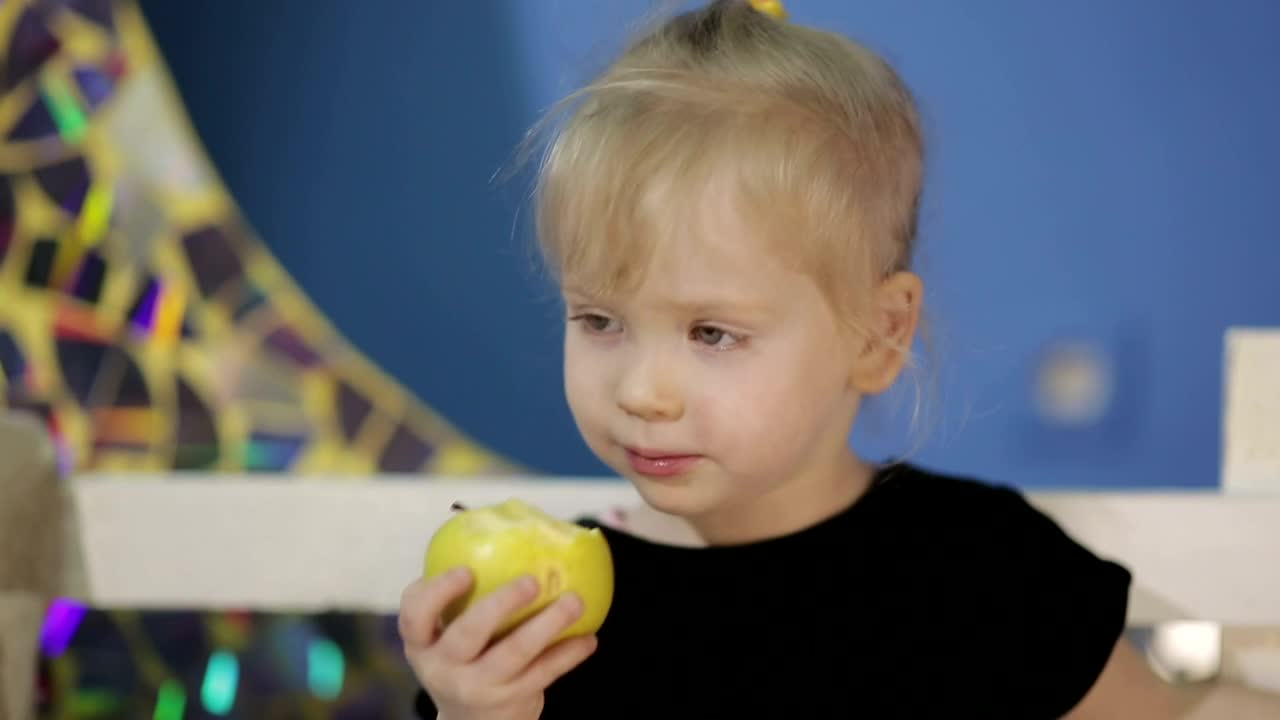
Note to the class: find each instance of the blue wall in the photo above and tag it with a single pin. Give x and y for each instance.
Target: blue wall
(1103, 172)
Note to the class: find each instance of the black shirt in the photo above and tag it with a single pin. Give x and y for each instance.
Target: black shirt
(931, 596)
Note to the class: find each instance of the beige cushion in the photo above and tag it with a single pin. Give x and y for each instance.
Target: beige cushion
(20, 618)
(31, 509)
(32, 547)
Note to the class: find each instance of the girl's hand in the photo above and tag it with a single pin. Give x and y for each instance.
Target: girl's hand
(466, 673)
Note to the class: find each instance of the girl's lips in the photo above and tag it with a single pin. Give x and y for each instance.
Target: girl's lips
(656, 463)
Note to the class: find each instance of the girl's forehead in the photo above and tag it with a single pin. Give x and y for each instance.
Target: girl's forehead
(710, 224)
(694, 232)
(717, 267)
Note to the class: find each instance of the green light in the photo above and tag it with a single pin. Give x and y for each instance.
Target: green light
(171, 701)
(218, 693)
(325, 668)
(71, 120)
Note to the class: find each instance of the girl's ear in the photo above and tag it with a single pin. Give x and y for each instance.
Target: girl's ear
(892, 325)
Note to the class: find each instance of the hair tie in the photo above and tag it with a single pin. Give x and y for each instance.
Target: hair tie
(772, 8)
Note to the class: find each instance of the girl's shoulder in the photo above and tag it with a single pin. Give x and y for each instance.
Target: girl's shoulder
(993, 523)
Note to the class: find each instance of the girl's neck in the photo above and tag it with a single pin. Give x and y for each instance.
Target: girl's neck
(795, 505)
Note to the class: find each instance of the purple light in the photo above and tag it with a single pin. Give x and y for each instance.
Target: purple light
(60, 623)
(145, 316)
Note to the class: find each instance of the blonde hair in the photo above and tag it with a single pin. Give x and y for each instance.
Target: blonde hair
(817, 136)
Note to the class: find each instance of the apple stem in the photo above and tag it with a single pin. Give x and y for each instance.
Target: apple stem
(457, 506)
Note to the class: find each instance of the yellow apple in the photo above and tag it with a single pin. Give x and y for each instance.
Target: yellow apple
(500, 543)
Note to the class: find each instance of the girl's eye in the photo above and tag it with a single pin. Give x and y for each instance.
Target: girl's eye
(597, 323)
(714, 337)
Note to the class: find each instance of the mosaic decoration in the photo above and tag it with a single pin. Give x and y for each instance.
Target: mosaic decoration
(172, 665)
(146, 324)
(140, 316)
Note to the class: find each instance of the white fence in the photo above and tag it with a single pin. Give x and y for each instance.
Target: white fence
(314, 543)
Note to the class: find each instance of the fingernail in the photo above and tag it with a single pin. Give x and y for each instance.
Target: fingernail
(528, 584)
(459, 574)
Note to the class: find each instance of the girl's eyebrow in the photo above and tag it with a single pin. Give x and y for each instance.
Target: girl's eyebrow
(704, 307)
(579, 297)
(695, 306)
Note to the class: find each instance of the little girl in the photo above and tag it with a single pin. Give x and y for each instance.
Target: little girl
(730, 213)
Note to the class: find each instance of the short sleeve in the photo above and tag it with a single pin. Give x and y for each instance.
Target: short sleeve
(423, 707)
(1055, 613)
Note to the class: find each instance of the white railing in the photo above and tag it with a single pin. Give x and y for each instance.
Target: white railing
(312, 543)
